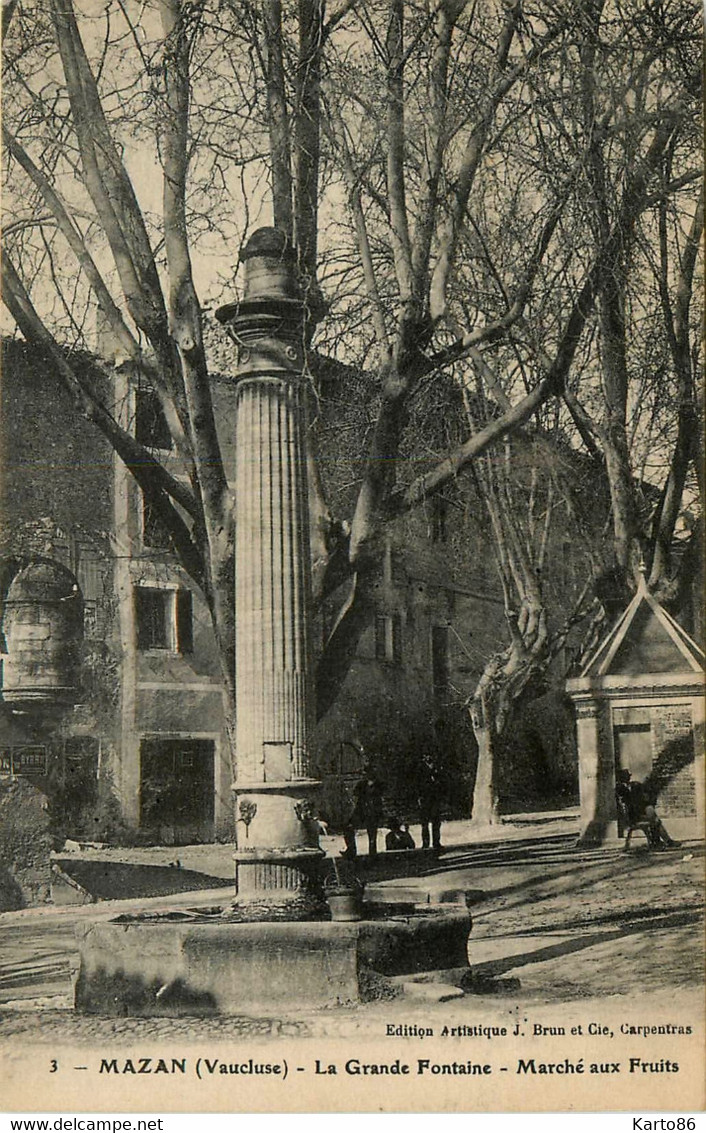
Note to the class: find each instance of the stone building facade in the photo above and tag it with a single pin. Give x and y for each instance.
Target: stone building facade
(146, 727)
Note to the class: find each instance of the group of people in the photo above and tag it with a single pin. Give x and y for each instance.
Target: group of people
(635, 808)
(368, 811)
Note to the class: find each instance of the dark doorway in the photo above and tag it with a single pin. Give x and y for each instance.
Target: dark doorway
(177, 789)
(633, 749)
(338, 792)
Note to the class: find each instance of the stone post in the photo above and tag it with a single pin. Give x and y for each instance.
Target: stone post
(596, 774)
(278, 852)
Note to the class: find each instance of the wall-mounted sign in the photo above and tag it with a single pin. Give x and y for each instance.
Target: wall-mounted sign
(23, 761)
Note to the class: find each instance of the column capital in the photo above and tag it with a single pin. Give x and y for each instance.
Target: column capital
(587, 709)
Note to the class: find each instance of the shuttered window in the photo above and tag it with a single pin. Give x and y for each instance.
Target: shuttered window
(184, 621)
(164, 619)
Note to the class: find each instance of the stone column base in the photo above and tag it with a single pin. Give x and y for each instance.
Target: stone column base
(280, 884)
(598, 833)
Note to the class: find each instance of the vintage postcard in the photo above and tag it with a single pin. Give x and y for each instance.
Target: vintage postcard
(352, 557)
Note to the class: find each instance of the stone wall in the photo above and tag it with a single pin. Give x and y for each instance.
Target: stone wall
(673, 759)
(55, 463)
(25, 846)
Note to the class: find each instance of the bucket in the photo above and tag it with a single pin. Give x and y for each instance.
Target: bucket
(344, 906)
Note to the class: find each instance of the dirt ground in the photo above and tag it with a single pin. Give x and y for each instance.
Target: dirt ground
(552, 925)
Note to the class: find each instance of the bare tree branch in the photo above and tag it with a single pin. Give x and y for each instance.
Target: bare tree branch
(112, 193)
(185, 310)
(396, 194)
(491, 379)
(307, 143)
(497, 329)
(451, 229)
(434, 143)
(149, 473)
(123, 336)
(677, 326)
(338, 134)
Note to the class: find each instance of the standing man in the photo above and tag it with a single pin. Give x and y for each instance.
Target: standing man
(431, 795)
(367, 811)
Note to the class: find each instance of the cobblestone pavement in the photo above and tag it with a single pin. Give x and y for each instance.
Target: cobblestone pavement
(551, 925)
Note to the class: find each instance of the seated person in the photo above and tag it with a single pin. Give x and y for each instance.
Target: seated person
(398, 837)
(635, 810)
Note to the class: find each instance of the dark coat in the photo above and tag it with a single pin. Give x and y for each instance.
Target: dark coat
(368, 808)
(632, 801)
(431, 785)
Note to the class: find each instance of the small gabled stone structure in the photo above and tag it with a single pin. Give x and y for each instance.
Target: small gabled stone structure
(639, 705)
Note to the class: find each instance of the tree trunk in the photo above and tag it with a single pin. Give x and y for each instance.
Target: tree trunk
(484, 804)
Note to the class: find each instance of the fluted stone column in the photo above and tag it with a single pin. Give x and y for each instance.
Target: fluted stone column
(278, 851)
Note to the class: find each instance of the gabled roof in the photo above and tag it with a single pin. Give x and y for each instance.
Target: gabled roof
(645, 639)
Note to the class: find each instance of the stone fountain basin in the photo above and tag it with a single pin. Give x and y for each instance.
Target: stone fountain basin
(205, 966)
